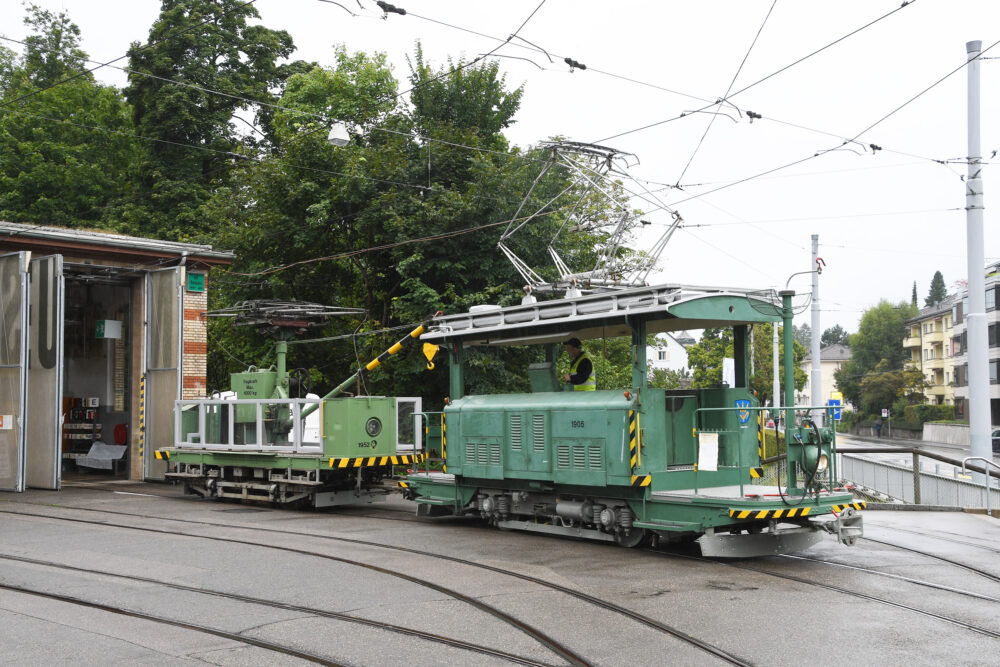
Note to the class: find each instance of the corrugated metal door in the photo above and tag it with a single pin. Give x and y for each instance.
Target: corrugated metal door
(163, 367)
(45, 372)
(13, 366)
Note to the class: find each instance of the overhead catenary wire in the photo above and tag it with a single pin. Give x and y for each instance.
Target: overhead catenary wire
(725, 97)
(906, 3)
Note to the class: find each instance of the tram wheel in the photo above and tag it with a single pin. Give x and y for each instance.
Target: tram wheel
(635, 538)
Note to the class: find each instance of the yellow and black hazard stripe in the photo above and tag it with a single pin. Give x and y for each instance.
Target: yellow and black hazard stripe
(634, 449)
(403, 485)
(377, 361)
(163, 454)
(786, 513)
(760, 436)
(142, 415)
(756, 473)
(633, 438)
(858, 505)
(444, 444)
(373, 461)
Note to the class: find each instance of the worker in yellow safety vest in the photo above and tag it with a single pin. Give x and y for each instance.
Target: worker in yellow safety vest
(581, 371)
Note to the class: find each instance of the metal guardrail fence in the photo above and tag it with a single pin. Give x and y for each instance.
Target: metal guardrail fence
(946, 488)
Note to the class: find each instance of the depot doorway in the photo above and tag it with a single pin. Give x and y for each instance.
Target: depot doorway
(97, 370)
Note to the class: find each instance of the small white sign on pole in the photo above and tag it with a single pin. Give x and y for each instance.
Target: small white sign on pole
(708, 451)
(6, 422)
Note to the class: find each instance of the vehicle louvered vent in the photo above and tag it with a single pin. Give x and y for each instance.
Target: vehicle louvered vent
(594, 458)
(538, 432)
(579, 457)
(562, 457)
(515, 433)
(482, 453)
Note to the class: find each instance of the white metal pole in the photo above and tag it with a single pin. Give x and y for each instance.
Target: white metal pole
(816, 377)
(979, 381)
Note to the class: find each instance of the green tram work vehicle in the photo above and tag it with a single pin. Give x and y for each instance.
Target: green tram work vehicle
(624, 466)
(262, 444)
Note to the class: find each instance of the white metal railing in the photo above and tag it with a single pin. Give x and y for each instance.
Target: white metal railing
(943, 487)
(218, 428)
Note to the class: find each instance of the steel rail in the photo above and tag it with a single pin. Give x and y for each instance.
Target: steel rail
(542, 638)
(458, 643)
(180, 624)
(846, 591)
(598, 602)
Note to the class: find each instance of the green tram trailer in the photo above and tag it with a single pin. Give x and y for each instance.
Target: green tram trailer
(629, 465)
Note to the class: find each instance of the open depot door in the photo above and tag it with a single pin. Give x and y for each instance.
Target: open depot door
(13, 367)
(164, 354)
(43, 418)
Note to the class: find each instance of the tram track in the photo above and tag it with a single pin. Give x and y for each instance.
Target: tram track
(897, 577)
(585, 597)
(839, 589)
(949, 561)
(947, 537)
(236, 637)
(543, 639)
(457, 643)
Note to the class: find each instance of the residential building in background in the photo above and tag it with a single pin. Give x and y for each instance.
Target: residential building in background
(831, 359)
(960, 345)
(670, 351)
(931, 345)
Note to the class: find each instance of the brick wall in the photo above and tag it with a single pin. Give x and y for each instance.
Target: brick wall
(195, 344)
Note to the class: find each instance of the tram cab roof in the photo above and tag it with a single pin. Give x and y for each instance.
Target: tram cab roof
(609, 314)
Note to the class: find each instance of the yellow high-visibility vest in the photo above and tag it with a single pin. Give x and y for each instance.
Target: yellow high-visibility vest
(590, 384)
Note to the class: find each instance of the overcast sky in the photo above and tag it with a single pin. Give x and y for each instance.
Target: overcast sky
(884, 218)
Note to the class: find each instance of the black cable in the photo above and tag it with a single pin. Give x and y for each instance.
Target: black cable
(725, 97)
(906, 3)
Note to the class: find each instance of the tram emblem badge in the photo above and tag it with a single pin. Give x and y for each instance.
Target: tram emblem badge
(743, 412)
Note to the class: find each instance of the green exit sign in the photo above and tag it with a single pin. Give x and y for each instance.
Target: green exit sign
(196, 282)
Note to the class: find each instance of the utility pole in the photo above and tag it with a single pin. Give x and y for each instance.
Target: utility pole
(816, 378)
(979, 382)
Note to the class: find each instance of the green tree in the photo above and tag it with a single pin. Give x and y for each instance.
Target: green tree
(913, 299)
(938, 291)
(880, 337)
(705, 360)
(802, 334)
(835, 335)
(65, 154)
(211, 45)
(362, 206)
(882, 387)
(668, 378)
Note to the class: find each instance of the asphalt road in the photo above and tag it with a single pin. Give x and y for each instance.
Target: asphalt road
(168, 559)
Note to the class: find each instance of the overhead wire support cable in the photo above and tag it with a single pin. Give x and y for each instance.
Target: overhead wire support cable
(906, 3)
(725, 97)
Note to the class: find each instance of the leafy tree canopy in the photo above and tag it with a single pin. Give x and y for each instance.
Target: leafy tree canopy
(65, 151)
(209, 44)
(880, 337)
(802, 334)
(835, 335)
(705, 360)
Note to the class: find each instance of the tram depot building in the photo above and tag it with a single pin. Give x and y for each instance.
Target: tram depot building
(101, 334)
